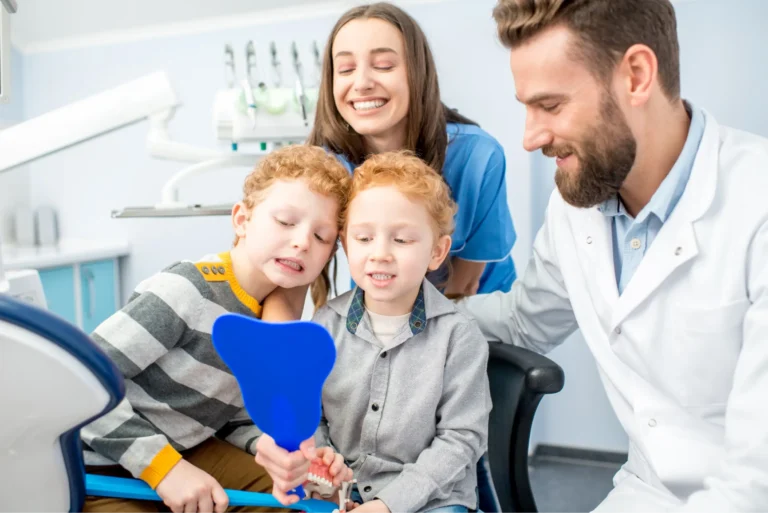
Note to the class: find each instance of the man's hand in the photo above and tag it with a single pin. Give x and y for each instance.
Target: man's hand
(287, 470)
(188, 489)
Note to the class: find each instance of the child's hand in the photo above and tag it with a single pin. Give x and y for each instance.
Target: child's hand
(336, 466)
(187, 488)
(375, 506)
(287, 469)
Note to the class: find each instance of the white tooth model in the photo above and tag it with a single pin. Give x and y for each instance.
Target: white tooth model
(320, 481)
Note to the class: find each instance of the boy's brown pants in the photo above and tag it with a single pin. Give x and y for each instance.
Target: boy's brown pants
(230, 466)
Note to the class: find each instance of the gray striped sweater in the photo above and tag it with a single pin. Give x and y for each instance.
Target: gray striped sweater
(179, 393)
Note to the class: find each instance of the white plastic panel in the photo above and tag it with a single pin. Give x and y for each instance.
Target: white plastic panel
(44, 392)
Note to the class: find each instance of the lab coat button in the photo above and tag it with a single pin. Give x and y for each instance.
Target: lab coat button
(618, 330)
(375, 407)
(589, 240)
(635, 244)
(652, 422)
(678, 251)
(367, 489)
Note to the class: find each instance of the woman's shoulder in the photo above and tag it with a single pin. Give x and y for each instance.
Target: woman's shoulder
(470, 139)
(341, 158)
(469, 146)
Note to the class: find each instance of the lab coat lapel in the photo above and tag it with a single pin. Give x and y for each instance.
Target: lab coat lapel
(594, 242)
(676, 244)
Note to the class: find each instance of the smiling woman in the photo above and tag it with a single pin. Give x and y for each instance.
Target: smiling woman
(379, 92)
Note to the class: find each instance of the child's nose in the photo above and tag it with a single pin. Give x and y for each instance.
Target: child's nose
(301, 240)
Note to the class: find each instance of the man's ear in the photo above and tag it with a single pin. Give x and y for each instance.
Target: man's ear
(240, 216)
(440, 252)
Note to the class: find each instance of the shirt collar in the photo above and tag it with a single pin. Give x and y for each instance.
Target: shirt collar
(672, 187)
(429, 303)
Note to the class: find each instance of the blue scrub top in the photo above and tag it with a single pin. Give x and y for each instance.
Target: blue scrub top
(475, 170)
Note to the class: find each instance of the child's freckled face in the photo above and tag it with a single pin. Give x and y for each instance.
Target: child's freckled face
(390, 245)
(291, 233)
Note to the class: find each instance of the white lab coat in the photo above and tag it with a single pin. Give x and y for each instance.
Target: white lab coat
(683, 352)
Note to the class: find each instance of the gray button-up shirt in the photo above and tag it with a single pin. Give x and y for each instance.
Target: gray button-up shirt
(412, 420)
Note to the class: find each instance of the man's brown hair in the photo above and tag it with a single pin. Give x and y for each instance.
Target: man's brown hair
(606, 29)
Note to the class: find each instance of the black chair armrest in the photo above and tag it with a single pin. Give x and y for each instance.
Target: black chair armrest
(518, 378)
(542, 375)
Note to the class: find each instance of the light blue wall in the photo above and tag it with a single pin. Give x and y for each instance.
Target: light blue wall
(724, 52)
(13, 112)
(14, 184)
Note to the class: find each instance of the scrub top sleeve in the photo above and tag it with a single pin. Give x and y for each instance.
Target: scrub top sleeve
(492, 234)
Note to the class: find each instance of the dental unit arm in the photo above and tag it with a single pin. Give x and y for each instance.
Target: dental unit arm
(241, 114)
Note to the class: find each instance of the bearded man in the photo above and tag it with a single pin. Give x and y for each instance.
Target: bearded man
(655, 246)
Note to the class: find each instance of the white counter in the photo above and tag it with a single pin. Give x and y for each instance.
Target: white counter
(67, 252)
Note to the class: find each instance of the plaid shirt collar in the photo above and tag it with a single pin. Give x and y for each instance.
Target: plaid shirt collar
(417, 321)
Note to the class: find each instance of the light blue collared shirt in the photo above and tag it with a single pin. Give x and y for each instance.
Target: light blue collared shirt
(633, 237)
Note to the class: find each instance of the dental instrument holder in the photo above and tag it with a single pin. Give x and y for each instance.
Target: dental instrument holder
(288, 410)
(247, 83)
(277, 76)
(229, 66)
(300, 91)
(234, 123)
(318, 64)
(263, 114)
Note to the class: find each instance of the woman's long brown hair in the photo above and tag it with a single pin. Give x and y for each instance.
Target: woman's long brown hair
(427, 116)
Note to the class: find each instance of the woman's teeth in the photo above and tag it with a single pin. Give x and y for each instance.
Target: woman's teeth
(368, 105)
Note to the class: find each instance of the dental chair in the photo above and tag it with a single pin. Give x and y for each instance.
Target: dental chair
(53, 380)
(519, 379)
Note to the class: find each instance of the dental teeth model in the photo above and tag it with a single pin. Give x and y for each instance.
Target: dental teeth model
(319, 480)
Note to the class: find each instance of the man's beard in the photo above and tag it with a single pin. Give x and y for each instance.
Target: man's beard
(605, 159)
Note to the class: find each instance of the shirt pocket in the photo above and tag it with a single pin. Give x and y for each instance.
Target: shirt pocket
(703, 349)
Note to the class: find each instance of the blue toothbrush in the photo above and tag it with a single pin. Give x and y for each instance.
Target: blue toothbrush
(125, 488)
